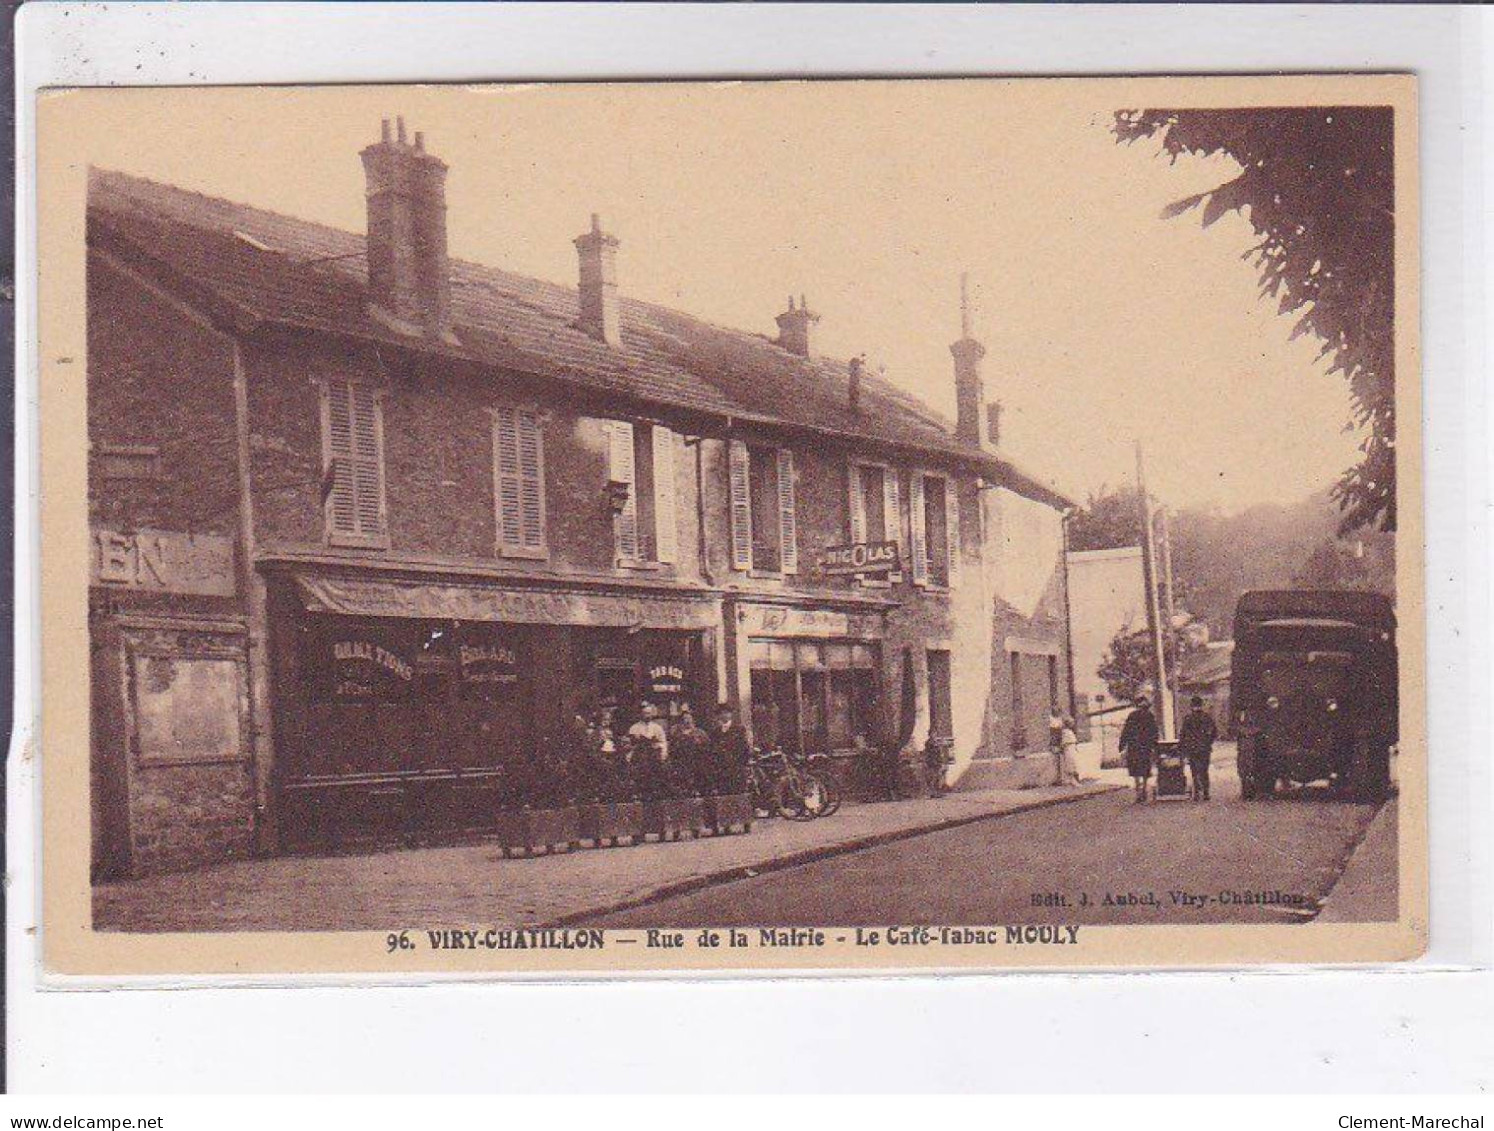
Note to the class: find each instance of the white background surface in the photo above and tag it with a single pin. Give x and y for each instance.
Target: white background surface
(1423, 1029)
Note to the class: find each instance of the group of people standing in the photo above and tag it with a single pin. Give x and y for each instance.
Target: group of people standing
(657, 758)
(1138, 742)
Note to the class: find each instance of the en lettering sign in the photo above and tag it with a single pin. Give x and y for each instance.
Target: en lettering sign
(163, 560)
(860, 557)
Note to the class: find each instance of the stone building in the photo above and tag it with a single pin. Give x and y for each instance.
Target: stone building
(369, 524)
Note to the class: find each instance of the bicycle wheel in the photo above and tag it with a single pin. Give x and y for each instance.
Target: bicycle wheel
(821, 768)
(832, 795)
(788, 801)
(814, 796)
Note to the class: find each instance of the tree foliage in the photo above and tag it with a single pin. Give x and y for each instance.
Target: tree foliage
(1216, 556)
(1127, 665)
(1317, 185)
(1108, 519)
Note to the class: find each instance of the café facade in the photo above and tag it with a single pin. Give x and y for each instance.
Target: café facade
(372, 526)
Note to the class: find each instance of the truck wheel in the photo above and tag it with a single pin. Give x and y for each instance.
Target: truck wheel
(1251, 763)
(1261, 772)
(1369, 778)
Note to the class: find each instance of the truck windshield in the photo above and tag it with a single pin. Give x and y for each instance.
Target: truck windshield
(1297, 675)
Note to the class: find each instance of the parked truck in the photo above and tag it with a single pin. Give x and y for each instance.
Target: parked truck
(1314, 691)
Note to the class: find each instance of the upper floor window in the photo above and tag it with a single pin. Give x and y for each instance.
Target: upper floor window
(641, 459)
(875, 512)
(936, 529)
(519, 482)
(764, 512)
(353, 465)
(876, 515)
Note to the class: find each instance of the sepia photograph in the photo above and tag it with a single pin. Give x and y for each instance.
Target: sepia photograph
(941, 524)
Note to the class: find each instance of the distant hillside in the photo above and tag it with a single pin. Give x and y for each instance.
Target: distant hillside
(1216, 557)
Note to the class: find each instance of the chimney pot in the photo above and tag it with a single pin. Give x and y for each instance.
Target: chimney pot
(401, 124)
(420, 140)
(384, 133)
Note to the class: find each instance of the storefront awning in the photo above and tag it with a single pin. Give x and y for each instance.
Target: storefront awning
(374, 597)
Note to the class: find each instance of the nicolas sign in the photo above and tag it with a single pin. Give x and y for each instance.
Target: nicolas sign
(860, 557)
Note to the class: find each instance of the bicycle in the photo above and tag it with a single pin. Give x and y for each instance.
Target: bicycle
(781, 784)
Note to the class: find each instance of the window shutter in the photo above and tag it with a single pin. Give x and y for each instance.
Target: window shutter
(531, 479)
(666, 516)
(919, 521)
(741, 506)
(788, 518)
(620, 470)
(507, 482)
(858, 505)
(353, 450)
(952, 526)
(892, 522)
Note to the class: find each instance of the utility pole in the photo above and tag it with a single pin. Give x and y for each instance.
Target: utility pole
(1176, 675)
(1153, 613)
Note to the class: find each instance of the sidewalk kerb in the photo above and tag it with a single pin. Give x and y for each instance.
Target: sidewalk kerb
(811, 855)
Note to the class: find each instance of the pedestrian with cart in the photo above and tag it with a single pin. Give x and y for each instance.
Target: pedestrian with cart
(1138, 742)
(1196, 744)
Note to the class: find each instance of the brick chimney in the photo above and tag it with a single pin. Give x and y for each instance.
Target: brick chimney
(853, 382)
(409, 274)
(794, 326)
(597, 253)
(993, 424)
(970, 390)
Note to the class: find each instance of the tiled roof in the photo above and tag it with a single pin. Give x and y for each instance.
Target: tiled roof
(277, 269)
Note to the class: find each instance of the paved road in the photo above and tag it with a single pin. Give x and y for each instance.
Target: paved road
(1101, 860)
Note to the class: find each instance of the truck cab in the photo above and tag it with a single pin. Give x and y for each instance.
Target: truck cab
(1314, 690)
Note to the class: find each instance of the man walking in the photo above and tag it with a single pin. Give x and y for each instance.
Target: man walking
(729, 752)
(1138, 741)
(1196, 743)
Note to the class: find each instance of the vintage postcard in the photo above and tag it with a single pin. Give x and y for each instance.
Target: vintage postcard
(787, 526)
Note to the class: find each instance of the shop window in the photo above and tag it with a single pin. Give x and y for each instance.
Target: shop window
(353, 465)
(764, 511)
(941, 706)
(810, 696)
(519, 482)
(641, 462)
(935, 527)
(187, 708)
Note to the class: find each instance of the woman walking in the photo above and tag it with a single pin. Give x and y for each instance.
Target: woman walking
(1138, 741)
(1068, 744)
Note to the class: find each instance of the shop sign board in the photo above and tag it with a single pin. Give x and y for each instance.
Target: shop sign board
(488, 663)
(362, 668)
(781, 620)
(666, 679)
(383, 598)
(163, 561)
(859, 557)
